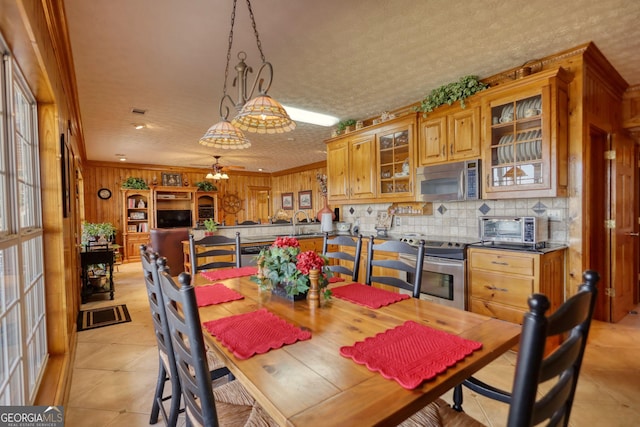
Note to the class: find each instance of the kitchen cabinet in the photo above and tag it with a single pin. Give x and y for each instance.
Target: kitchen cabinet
(396, 160)
(374, 163)
(525, 137)
(351, 168)
(136, 208)
(450, 134)
(501, 281)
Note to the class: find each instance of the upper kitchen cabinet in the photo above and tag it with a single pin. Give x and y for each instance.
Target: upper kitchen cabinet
(525, 126)
(450, 133)
(396, 164)
(351, 168)
(374, 163)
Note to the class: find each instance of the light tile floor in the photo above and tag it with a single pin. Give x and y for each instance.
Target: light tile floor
(115, 370)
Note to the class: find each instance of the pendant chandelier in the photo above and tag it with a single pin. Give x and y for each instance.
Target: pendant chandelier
(262, 114)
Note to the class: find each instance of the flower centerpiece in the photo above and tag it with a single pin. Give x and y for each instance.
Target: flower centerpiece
(283, 267)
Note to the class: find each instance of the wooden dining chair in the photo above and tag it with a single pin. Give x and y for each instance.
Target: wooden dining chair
(412, 272)
(167, 371)
(223, 251)
(225, 405)
(529, 404)
(343, 256)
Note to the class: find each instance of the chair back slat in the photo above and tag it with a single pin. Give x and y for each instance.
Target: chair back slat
(395, 264)
(198, 262)
(188, 344)
(354, 260)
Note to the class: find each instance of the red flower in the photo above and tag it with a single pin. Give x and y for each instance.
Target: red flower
(285, 242)
(309, 260)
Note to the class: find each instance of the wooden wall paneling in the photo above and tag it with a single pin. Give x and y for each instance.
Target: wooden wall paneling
(631, 111)
(296, 180)
(111, 175)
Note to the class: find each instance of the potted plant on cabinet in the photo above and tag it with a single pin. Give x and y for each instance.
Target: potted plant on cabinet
(211, 226)
(205, 186)
(450, 93)
(135, 183)
(346, 126)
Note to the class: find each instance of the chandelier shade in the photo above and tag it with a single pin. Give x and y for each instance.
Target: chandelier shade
(259, 115)
(263, 114)
(226, 136)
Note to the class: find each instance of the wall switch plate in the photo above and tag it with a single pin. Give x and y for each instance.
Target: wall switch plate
(398, 221)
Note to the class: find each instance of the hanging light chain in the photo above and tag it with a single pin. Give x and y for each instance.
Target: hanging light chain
(255, 30)
(226, 70)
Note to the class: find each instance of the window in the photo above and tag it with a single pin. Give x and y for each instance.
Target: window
(23, 333)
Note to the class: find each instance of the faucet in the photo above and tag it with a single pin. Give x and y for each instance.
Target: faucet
(293, 219)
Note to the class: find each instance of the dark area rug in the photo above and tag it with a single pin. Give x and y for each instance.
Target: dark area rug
(103, 316)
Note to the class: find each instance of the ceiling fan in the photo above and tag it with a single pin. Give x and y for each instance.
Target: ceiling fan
(219, 171)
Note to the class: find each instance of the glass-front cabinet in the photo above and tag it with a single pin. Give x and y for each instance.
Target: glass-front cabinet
(395, 159)
(137, 206)
(526, 137)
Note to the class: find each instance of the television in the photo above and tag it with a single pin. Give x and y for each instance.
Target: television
(173, 218)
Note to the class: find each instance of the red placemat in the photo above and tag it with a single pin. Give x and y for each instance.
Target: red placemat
(367, 295)
(255, 332)
(335, 279)
(230, 273)
(410, 353)
(215, 294)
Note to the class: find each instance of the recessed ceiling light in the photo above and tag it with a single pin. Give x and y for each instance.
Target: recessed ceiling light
(139, 125)
(122, 157)
(319, 119)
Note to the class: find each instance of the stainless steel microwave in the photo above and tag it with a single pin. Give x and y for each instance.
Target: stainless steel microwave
(530, 230)
(449, 181)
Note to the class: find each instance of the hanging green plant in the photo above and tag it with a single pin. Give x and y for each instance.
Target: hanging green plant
(135, 183)
(452, 92)
(205, 186)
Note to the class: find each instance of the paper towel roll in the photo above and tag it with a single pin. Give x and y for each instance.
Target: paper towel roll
(326, 223)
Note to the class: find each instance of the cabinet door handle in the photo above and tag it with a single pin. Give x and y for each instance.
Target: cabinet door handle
(495, 288)
(499, 263)
(444, 150)
(633, 234)
(451, 150)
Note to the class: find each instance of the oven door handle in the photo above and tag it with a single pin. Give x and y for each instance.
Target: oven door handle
(442, 261)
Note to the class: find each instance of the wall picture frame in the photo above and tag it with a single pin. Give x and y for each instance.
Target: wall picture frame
(171, 179)
(304, 199)
(287, 201)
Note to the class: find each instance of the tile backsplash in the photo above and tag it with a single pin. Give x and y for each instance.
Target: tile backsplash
(460, 219)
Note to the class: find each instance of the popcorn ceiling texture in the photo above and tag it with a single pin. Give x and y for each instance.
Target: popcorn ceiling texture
(352, 59)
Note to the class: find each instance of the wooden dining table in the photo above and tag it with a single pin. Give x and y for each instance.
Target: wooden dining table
(309, 383)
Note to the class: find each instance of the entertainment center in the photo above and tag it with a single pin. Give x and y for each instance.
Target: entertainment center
(162, 207)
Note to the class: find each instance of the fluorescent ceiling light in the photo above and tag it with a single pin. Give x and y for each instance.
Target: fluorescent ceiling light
(310, 117)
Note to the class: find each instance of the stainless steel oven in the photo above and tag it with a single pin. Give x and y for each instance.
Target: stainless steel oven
(443, 279)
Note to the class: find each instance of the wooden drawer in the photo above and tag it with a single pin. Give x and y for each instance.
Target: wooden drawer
(504, 289)
(498, 311)
(504, 262)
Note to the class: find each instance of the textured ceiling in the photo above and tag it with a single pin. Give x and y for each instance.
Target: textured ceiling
(351, 59)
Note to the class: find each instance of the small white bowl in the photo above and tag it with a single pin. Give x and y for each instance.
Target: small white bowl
(343, 226)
